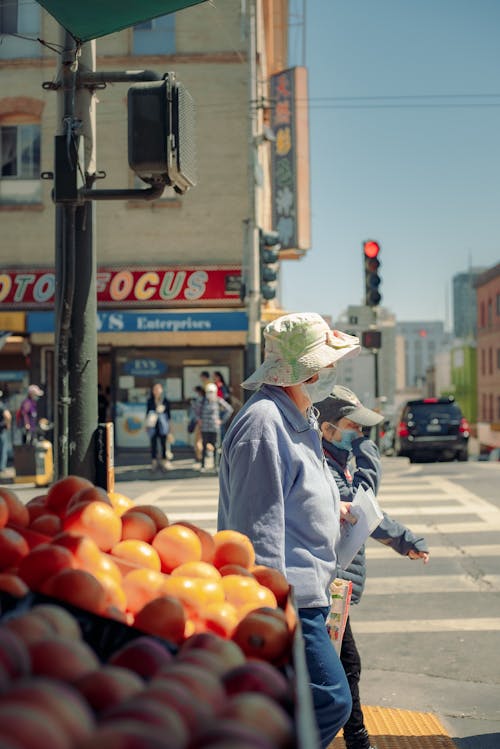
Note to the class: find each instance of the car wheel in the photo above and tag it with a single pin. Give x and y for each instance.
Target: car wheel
(463, 456)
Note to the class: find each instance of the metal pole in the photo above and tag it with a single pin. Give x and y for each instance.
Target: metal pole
(64, 263)
(83, 340)
(253, 350)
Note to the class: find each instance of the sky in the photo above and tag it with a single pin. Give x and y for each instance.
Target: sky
(404, 122)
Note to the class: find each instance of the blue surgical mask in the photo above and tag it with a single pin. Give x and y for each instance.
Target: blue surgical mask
(319, 390)
(348, 436)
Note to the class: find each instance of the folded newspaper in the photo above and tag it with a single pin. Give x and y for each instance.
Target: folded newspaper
(367, 515)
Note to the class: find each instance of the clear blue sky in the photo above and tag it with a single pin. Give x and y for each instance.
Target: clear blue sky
(419, 175)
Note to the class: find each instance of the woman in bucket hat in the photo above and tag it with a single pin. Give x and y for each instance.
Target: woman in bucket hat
(276, 488)
(354, 461)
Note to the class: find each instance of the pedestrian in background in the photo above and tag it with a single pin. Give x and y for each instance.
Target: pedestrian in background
(27, 416)
(204, 378)
(222, 388)
(158, 426)
(276, 488)
(213, 413)
(5, 424)
(194, 426)
(343, 419)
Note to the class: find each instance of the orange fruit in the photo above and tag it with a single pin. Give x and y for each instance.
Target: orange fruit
(206, 540)
(234, 569)
(189, 590)
(138, 552)
(78, 588)
(138, 525)
(115, 595)
(96, 520)
(155, 513)
(88, 494)
(4, 512)
(61, 492)
(13, 548)
(240, 589)
(232, 547)
(264, 635)
(219, 618)
(106, 566)
(197, 569)
(61, 621)
(84, 549)
(119, 502)
(37, 506)
(176, 545)
(140, 587)
(49, 524)
(163, 617)
(274, 580)
(261, 597)
(42, 562)
(18, 512)
(13, 584)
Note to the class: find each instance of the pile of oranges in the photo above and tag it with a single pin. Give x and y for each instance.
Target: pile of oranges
(103, 553)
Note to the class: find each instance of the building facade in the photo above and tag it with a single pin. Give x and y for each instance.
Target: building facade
(488, 357)
(422, 341)
(464, 304)
(169, 271)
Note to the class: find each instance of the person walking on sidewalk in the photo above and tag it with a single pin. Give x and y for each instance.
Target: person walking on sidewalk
(342, 418)
(27, 416)
(158, 426)
(213, 412)
(275, 487)
(5, 423)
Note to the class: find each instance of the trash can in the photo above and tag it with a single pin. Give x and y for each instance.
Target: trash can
(34, 463)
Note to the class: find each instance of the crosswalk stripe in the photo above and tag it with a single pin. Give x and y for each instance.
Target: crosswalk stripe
(428, 583)
(393, 626)
(376, 550)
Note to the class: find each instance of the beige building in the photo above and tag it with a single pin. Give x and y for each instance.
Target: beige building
(168, 271)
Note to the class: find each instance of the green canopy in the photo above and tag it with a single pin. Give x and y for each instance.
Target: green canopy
(90, 19)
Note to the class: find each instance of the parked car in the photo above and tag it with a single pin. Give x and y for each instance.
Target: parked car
(432, 429)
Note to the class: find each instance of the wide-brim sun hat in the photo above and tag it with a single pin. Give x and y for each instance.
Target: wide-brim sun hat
(296, 347)
(342, 402)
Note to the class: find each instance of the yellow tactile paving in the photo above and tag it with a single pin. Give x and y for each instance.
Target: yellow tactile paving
(391, 728)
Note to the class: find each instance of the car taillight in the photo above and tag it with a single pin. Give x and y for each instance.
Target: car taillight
(463, 426)
(403, 430)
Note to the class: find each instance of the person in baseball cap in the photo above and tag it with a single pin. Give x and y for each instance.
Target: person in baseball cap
(342, 403)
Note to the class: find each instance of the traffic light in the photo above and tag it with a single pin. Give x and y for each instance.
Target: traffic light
(371, 339)
(269, 247)
(371, 252)
(161, 133)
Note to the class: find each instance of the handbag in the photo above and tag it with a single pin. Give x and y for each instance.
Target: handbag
(151, 419)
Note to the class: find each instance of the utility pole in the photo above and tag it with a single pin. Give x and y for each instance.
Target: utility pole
(75, 297)
(251, 247)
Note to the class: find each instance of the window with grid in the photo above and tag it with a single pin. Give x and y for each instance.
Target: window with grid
(20, 163)
(155, 37)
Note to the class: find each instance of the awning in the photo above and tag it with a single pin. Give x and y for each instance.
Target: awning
(90, 19)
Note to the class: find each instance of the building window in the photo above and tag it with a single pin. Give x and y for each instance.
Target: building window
(498, 407)
(155, 37)
(481, 316)
(498, 304)
(498, 358)
(20, 164)
(483, 361)
(490, 361)
(19, 17)
(490, 313)
(490, 415)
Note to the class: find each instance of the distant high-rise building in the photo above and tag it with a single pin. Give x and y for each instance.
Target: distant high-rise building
(422, 341)
(464, 304)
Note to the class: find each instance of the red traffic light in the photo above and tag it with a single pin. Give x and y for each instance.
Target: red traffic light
(371, 249)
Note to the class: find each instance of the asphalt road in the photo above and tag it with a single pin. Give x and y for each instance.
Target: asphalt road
(429, 636)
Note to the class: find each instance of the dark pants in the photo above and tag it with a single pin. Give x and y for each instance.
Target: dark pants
(207, 438)
(162, 439)
(329, 687)
(355, 733)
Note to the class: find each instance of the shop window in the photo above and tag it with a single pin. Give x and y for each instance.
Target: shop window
(155, 37)
(20, 164)
(19, 18)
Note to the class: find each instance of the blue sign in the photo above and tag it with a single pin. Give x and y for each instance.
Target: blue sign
(145, 367)
(12, 375)
(150, 322)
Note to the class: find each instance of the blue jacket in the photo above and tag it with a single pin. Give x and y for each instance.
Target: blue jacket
(367, 474)
(276, 488)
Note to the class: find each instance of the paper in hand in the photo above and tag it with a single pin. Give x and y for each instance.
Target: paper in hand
(368, 514)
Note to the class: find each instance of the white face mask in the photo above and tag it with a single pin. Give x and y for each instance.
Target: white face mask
(319, 390)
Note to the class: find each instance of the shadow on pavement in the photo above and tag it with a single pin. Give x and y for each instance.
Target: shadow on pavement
(484, 741)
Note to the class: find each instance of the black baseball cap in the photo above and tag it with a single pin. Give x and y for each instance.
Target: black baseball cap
(342, 402)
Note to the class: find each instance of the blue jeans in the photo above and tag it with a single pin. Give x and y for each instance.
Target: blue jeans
(3, 449)
(330, 688)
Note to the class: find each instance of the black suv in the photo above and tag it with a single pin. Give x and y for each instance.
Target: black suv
(432, 428)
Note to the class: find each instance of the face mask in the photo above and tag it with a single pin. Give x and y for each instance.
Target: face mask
(348, 435)
(319, 390)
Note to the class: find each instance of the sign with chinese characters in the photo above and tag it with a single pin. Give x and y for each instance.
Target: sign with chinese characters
(129, 287)
(290, 159)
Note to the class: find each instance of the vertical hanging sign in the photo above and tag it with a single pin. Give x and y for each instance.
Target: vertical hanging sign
(290, 159)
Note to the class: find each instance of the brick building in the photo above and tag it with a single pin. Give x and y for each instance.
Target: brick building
(488, 357)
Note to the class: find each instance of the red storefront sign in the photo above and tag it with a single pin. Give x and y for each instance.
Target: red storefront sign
(129, 287)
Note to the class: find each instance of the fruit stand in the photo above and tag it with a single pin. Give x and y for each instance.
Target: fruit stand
(159, 635)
